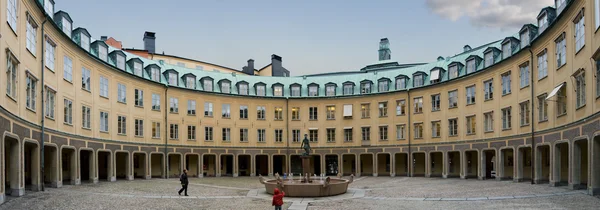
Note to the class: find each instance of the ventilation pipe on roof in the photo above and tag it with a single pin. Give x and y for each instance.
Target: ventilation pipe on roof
(249, 69)
(466, 48)
(104, 38)
(440, 58)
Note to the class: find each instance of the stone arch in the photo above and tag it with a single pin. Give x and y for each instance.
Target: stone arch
(366, 163)
(209, 164)
(192, 164)
(140, 169)
(174, 164)
(419, 163)
(506, 163)
(68, 165)
(227, 164)
(401, 164)
(383, 166)
(86, 165)
(31, 164)
(560, 171)
(523, 163)
(454, 164)
(489, 163)
(122, 165)
(104, 165)
(51, 165)
(435, 164)
(244, 164)
(471, 163)
(332, 164)
(11, 165)
(156, 164)
(579, 163)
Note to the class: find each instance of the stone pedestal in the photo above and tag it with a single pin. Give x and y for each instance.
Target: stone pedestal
(305, 165)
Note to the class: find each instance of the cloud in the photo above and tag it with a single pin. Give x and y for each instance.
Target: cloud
(503, 14)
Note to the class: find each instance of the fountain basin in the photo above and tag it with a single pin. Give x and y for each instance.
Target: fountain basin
(316, 188)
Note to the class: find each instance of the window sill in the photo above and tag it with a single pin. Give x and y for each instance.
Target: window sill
(452, 135)
(418, 113)
(86, 90)
(156, 110)
(157, 138)
(420, 138)
(12, 29)
(489, 99)
(224, 141)
(244, 142)
(453, 107)
(105, 132)
(173, 139)
(329, 142)
(31, 53)
(260, 119)
(278, 142)
(138, 106)
(401, 139)
(87, 129)
(540, 79)
(295, 119)
(226, 118)
(191, 115)
(104, 97)
(365, 117)
(506, 129)
(543, 121)
(173, 112)
(243, 118)
(121, 102)
(50, 118)
(488, 131)
(560, 67)
(383, 116)
(188, 139)
(29, 109)
(560, 115)
(312, 120)
(578, 108)
(122, 134)
(138, 136)
(399, 115)
(526, 86)
(207, 116)
(436, 110)
(71, 82)
(505, 94)
(470, 104)
(278, 120)
(435, 137)
(11, 98)
(525, 125)
(331, 119)
(471, 134)
(49, 69)
(579, 50)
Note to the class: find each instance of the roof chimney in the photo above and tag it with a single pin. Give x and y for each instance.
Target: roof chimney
(103, 38)
(149, 41)
(466, 48)
(277, 68)
(384, 50)
(249, 69)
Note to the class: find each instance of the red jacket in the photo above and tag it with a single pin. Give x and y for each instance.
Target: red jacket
(278, 197)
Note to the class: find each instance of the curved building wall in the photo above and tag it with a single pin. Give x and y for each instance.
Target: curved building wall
(22, 124)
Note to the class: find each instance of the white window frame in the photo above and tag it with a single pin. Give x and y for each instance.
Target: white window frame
(243, 89)
(278, 90)
(542, 65)
(68, 112)
(12, 14)
(207, 85)
(31, 35)
(155, 101)
(121, 93)
(138, 126)
(208, 109)
(506, 83)
(68, 68)
(225, 87)
(139, 97)
(524, 75)
(86, 79)
(31, 92)
(173, 105)
(330, 90)
(191, 107)
(50, 102)
(579, 31)
(104, 121)
(580, 89)
(104, 86)
(86, 117)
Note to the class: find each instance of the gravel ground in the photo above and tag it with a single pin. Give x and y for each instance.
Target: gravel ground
(579, 202)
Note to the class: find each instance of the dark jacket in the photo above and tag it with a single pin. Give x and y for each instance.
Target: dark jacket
(183, 179)
(278, 197)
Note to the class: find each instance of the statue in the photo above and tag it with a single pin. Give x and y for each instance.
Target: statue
(305, 145)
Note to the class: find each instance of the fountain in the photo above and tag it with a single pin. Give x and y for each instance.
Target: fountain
(305, 186)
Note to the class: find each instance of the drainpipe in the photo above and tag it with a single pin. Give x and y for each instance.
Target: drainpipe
(167, 133)
(532, 120)
(287, 130)
(42, 163)
(408, 127)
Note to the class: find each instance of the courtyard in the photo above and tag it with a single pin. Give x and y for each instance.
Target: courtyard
(364, 193)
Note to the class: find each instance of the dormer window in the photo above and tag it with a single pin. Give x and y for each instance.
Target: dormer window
(383, 85)
(471, 67)
(137, 68)
(559, 5)
(542, 22)
(313, 90)
(190, 82)
(49, 7)
(118, 58)
(489, 59)
(330, 89)
(524, 36)
(435, 76)
(295, 90)
(66, 26)
(82, 38)
(365, 87)
(506, 50)
(173, 81)
(64, 21)
(278, 90)
(453, 71)
(261, 89)
(400, 82)
(100, 50)
(154, 71)
(225, 86)
(243, 88)
(418, 80)
(207, 84)
(348, 88)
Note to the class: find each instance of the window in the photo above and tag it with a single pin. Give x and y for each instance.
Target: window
(435, 102)
(260, 90)
(400, 83)
(174, 131)
(11, 75)
(207, 84)
(68, 69)
(330, 134)
(50, 100)
(453, 71)
(86, 82)
(348, 89)
(85, 42)
(331, 112)
(278, 113)
(561, 101)
(243, 112)
(225, 87)
(524, 37)
(49, 7)
(103, 86)
(365, 87)
(348, 111)
(295, 113)
(560, 5)
(579, 32)
(243, 134)
(506, 83)
(347, 134)
(506, 50)
(31, 35)
(453, 99)
(488, 90)
(542, 65)
(400, 132)
(120, 61)
(226, 111)
(137, 69)
(542, 23)
(383, 109)
(488, 121)
(384, 85)
(243, 89)
(330, 90)
(542, 108)
(155, 74)
(191, 132)
(366, 133)
(68, 113)
(208, 109)
(174, 105)
(190, 82)
(524, 113)
(296, 135)
(313, 90)
(489, 59)
(173, 81)
(418, 80)
(139, 98)
(191, 107)
(524, 70)
(122, 125)
(226, 136)
(278, 90)
(155, 130)
(471, 67)
(598, 77)
(278, 135)
(418, 105)
(260, 112)
(295, 90)
(313, 135)
(400, 107)
(471, 125)
(102, 52)
(208, 133)
(103, 121)
(11, 14)
(418, 130)
(470, 94)
(66, 27)
(85, 117)
(383, 133)
(155, 101)
(436, 129)
(365, 110)
(580, 89)
(453, 127)
(506, 118)
(31, 88)
(312, 113)
(261, 135)
(561, 51)
(139, 128)
(121, 93)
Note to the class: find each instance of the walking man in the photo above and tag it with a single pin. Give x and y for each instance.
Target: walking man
(184, 182)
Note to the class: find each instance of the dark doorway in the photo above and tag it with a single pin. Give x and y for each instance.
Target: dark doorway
(226, 165)
(279, 164)
(244, 165)
(262, 165)
(331, 165)
(104, 166)
(86, 165)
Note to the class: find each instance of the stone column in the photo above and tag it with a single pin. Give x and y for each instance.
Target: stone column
(357, 163)
(252, 165)
(445, 164)
(463, 164)
(375, 164)
(518, 163)
(393, 164)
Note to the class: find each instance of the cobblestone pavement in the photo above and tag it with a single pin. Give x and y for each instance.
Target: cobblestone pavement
(364, 193)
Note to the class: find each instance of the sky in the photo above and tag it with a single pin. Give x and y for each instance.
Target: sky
(311, 36)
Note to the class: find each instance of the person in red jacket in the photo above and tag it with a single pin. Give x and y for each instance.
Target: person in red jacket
(278, 199)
